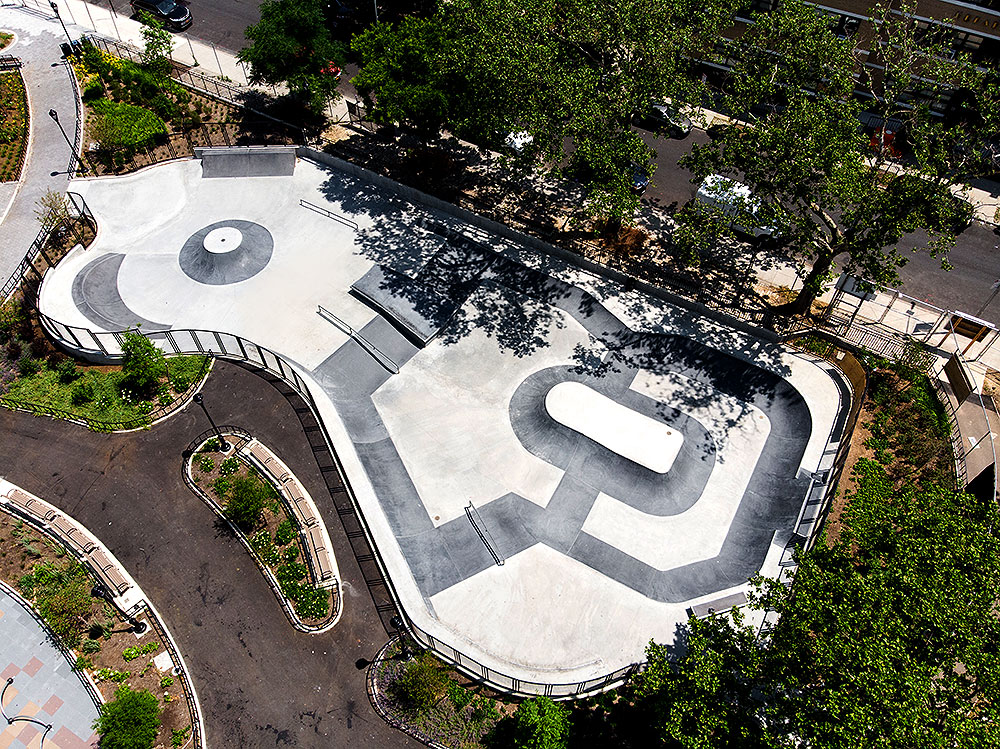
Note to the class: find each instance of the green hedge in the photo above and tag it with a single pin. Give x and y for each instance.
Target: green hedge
(121, 125)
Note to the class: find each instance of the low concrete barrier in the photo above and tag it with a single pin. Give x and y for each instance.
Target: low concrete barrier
(247, 161)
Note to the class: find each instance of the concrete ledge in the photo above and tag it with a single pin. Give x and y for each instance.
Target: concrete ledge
(420, 312)
(247, 161)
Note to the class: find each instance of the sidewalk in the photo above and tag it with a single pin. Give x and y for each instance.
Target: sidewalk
(49, 84)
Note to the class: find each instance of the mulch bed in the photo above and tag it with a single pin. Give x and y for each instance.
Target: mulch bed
(13, 125)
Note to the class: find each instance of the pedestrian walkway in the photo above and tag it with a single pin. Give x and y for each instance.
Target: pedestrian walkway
(50, 85)
(43, 685)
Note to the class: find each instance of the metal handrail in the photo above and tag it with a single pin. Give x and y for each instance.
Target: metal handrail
(380, 356)
(329, 214)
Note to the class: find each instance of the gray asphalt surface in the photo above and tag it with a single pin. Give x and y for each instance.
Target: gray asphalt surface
(261, 683)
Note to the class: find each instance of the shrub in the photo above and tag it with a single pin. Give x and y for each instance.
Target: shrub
(246, 503)
(229, 466)
(221, 486)
(422, 684)
(66, 370)
(143, 364)
(91, 645)
(83, 392)
(125, 126)
(311, 602)
(93, 90)
(540, 723)
(62, 596)
(130, 721)
(130, 654)
(285, 533)
(261, 543)
(291, 553)
(459, 696)
(205, 464)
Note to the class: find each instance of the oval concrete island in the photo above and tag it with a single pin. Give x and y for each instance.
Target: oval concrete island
(628, 433)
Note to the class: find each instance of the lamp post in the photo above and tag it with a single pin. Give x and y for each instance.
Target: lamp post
(55, 9)
(200, 400)
(76, 157)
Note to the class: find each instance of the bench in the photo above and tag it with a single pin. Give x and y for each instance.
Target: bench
(30, 505)
(108, 573)
(71, 534)
(315, 536)
(718, 606)
(259, 453)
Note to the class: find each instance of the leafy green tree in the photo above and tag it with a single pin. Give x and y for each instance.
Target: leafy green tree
(292, 44)
(712, 695)
(143, 364)
(156, 45)
(130, 721)
(571, 74)
(540, 723)
(842, 200)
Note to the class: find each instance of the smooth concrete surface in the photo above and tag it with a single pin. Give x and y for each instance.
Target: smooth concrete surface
(618, 428)
(601, 553)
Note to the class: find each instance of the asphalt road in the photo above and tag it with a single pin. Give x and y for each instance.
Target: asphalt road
(220, 22)
(261, 683)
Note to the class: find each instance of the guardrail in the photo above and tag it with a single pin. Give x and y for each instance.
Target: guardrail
(197, 739)
(376, 353)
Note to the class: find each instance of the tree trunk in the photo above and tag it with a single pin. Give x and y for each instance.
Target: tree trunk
(811, 289)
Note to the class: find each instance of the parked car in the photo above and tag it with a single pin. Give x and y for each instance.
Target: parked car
(640, 177)
(519, 141)
(169, 12)
(669, 118)
(736, 201)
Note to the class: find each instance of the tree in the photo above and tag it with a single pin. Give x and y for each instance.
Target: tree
(711, 696)
(571, 74)
(292, 44)
(62, 596)
(540, 723)
(423, 682)
(130, 721)
(52, 209)
(841, 199)
(143, 364)
(156, 45)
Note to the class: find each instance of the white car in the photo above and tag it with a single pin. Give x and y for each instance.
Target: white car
(735, 201)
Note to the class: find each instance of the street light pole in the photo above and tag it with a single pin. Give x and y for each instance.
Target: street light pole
(77, 161)
(200, 400)
(55, 9)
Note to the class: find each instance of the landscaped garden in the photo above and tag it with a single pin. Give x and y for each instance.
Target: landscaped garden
(135, 114)
(252, 505)
(101, 640)
(13, 125)
(34, 375)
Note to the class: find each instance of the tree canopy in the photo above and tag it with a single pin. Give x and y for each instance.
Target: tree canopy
(848, 196)
(292, 44)
(572, 75)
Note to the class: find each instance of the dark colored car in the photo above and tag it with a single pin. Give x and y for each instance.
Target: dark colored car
(169, 12)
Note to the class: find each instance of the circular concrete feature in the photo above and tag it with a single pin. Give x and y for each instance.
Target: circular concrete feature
(226, 252)
(223, 239)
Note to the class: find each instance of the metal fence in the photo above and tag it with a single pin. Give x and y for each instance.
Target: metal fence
(197, 739)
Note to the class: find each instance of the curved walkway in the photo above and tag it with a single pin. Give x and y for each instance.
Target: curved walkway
(44, 685)
(260, 682)
(50, 85)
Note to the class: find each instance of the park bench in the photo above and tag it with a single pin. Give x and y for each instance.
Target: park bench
(30, 505)
(108, 573)
(71, 534)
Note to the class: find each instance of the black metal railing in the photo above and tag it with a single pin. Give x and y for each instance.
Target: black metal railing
(197, 739)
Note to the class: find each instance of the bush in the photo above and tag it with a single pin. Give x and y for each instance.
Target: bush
(143, 364)
(61, 594)
(285, 533)
(93, 91)
(67, 370)
(246, 503)
(205, 464)
(540, 723)
(83, 392)
(422, 684)
(121, 126)
(130, 721)
(261, 543)
(229, 466)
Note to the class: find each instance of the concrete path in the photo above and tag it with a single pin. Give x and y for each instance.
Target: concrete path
(44, 686)
(50, 85)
